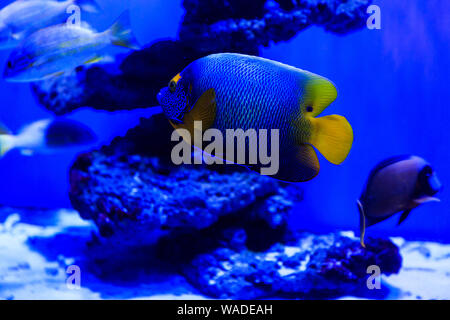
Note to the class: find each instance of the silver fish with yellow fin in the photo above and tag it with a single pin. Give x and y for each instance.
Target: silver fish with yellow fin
(58, 49)
(236, 91)
(22, 18)
(397, 184)
(46, 136)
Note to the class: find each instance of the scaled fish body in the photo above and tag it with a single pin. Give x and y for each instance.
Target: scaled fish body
(23, 17)
(62, 48)
(47, 136)
(235, 91)
(397, 184)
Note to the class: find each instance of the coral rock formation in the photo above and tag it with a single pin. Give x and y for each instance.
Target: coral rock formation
(310, 266)
(133, 182)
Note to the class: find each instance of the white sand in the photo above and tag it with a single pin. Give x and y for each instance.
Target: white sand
(29, 271)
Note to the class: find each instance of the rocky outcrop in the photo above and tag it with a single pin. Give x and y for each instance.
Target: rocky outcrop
(133, 182)
(309, 266)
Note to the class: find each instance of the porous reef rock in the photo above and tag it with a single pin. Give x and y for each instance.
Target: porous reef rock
(207, 27)
(308, 266)
(225, 228)
(133, 188)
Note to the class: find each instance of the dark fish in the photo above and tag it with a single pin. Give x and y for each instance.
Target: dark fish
(397, 184)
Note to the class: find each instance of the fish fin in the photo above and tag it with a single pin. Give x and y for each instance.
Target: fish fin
(332, 136)
(404, 216)
(319, 93)
(301, 167)
(362, 223)
(204, 110)
(27, 152)
(306, 155)
(94, 60)
(122, 34)
(88, 5)
(6, 143)
(425, 199)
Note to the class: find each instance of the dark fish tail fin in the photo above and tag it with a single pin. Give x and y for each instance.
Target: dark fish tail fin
(88, 5)
(121, 33)
(362, 222)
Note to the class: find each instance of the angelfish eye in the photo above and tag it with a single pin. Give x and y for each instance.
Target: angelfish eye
(309, 109)
(172, 86)
(9, 64)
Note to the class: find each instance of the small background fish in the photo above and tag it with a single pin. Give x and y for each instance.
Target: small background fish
(46, 136)
(58, 49)
(397, 184)
(21, 18)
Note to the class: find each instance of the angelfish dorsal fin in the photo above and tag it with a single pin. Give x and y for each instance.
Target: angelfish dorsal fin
(204, 110)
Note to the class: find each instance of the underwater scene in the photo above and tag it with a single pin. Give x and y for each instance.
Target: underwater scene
(224, 149)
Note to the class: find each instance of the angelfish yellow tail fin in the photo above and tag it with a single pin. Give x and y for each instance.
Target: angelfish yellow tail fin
(332, 136)
(362, 222)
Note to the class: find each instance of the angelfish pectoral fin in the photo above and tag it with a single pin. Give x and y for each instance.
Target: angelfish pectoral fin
(332, 136)
(204, 110)
(362, 223)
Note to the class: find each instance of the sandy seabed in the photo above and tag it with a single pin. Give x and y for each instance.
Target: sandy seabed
(37, 246)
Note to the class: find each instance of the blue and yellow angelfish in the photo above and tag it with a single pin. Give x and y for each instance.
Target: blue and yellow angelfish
(236, 91)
